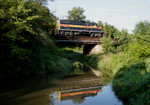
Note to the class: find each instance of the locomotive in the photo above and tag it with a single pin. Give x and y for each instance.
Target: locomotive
(75, 28)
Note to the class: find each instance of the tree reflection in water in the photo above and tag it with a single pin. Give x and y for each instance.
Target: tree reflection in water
(76, 88)
(78, 99)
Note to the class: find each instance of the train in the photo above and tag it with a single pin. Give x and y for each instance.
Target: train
(75, 28)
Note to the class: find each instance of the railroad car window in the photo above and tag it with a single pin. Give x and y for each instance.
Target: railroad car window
(63, 28)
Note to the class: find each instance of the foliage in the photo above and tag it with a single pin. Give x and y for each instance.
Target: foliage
(109, 62)
(26, 46)
(139, 48)
(130, 65)
(107, 44)
(76, 14)
(108, 40)
(109, 30)
(131, 84)
(78, 68)
(100, 24)
(123, 39)
(93, 59)
(142, 28)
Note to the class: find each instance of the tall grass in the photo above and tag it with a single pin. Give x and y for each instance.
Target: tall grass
(131, 79)
(109, 61)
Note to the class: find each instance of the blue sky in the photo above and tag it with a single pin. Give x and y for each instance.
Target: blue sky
(120, 13)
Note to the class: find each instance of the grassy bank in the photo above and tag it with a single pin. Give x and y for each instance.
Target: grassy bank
(130, 78)
(76, 58)
(132, 83)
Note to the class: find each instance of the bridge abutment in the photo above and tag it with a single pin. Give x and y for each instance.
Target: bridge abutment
(92, 49)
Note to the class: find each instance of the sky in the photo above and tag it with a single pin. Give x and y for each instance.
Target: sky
(123, 14)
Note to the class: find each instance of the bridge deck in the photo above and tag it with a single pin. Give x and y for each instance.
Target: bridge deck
(77, 39)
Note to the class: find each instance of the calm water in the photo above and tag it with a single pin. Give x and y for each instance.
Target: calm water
(85, 89)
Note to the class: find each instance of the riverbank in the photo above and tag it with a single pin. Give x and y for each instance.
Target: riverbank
(130, 79)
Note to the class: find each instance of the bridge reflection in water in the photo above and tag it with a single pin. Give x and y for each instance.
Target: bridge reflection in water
(77, 88)
(84, 92)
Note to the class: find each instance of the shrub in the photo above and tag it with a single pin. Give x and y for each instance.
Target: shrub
(131, 84)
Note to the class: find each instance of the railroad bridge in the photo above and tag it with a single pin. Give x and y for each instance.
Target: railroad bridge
(92, 44)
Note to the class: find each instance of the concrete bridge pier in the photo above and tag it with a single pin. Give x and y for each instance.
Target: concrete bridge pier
(92, 49)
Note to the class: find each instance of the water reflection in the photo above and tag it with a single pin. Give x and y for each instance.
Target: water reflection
(79, 87)
(78, 95)
(85, 89)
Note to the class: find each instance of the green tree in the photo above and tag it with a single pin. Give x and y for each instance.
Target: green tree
(109, 30)
(139, 48)
(123, 38)
(107, 44)
(76, 14)
(100, 24)
(141, 28)
(24, 39)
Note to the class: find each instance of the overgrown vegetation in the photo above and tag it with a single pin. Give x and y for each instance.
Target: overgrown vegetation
(132, 83)
(26, 43)
(128, 61)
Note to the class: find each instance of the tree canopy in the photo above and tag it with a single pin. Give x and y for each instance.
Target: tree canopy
(76, 14)
(26, 43)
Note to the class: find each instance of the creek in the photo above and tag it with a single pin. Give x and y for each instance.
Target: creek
(82, 89)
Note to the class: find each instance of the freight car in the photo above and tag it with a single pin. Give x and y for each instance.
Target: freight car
(66, 27)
